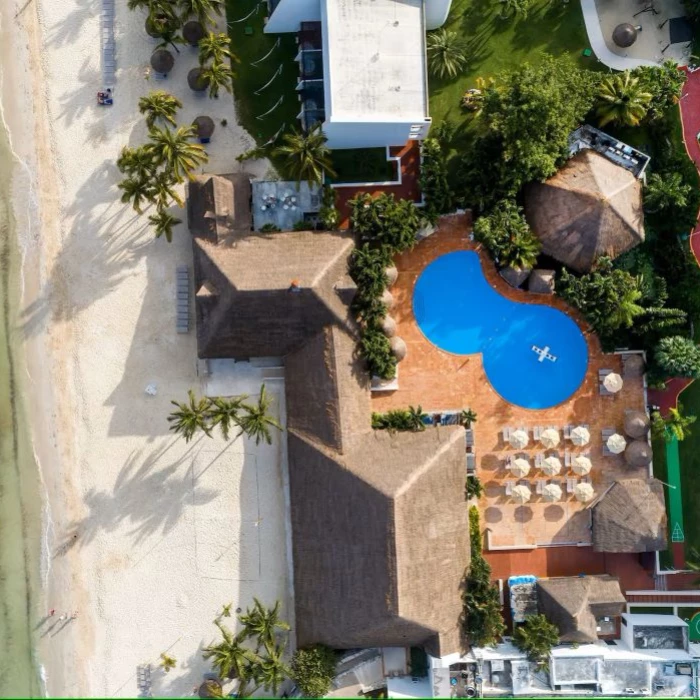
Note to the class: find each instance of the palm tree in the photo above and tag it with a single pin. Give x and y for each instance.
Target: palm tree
(256, 422)
(167, 662)
(175, 150)
(164, 192)
(216, 76)
(214, 47)
(136, 162)
(230, 657)
(138, 191)
(467, 417)
(159, 104)
(263, 623)
(271, 671)
(163, 223)
(226, 610)
(626, 309)
(307, 155)
(225, 413)
(446, 53)
(667, 192)
(415, 418)
(201, 9)
(521, 251)
(621, 100)
(674, 426)
(190, 417)
(510, 8)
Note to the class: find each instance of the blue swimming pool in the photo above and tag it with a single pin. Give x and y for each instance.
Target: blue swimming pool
(533, 355)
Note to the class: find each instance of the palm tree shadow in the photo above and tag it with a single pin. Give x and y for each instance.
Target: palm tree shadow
(68, 29)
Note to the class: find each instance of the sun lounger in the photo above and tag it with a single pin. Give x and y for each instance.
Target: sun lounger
(605, 434)
(536, 432)
(471, 461)
(509, 487)
(469, 432)
(539, 488)
(183, 299)
(567, 458)
(538, 460)
(566, 430)
(427, 420)
(571, 485)
(506, 434)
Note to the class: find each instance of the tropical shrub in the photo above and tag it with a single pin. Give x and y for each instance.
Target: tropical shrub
(473, 487)
(675, 425)
(313, 670)
(536, 637)
(410, 419)
(664, 83)
(377, 352)
(306, 155)
(622, 100)
(678, 356)
(434, 181)
(270, 228)
(447, 53)
(328, 213)
(384, 220)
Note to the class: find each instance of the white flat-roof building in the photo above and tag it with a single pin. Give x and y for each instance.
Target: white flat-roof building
(362, 64)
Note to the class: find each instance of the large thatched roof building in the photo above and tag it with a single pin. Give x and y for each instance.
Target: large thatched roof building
(379, 522)
(591, 207)
(630, 517)
(576, 604)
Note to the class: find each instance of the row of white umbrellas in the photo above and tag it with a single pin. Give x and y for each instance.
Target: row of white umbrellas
(583, 492)
(549, 437)
(551, 466)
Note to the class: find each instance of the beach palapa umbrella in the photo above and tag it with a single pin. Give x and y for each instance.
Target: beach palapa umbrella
(193, 32)
(581, 465)
(519, 439)
(584, 492)
(196, 81)
(616, 443)
(204, 126)
(551, 493)
(580, 436)
(162, 61)
(613, 382)
(549, 437)
(521, 494)
(519, 467)
(551, 465)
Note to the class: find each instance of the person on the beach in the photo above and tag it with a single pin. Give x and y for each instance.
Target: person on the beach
(52, 612)
(74, 615)
(63, 617)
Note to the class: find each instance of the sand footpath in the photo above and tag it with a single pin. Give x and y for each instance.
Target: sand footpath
(146, 537)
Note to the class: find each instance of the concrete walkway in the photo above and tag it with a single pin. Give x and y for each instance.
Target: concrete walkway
(597, 42)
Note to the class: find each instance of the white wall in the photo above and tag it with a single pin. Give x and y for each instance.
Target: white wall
(436, 12)
(290, 13)
(371, 134)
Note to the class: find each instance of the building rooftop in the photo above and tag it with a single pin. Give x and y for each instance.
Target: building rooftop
(620, 153)
(374, 54)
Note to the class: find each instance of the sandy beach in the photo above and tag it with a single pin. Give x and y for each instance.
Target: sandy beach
(145, 537)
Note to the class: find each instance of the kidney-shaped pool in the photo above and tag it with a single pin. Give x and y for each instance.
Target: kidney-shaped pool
(533, 355)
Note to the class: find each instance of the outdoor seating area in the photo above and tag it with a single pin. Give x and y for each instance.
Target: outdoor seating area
(284, 204)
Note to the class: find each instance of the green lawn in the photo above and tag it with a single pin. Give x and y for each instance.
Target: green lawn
(690, 468)
(493, 45)
(363, 165)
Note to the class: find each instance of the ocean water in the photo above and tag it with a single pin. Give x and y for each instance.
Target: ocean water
(20, 501)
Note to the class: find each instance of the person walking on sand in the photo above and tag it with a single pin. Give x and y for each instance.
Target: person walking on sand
(52, 612)
(74, 615)
(63, 617)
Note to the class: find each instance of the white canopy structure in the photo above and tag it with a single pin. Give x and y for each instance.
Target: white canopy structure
(521, 493)
(580, 436)
(519, 467)
(549, 437)
(519, 439)
(584, 492)
(613, 382)
(551, 493)
(616, 443)
(581, 465)
(551, 465)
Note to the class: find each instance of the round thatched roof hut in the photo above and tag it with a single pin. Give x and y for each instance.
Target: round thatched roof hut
(387, 299)
(204, 127)
(392, 274)
(196, 81)
(388, 326)
(636, 424)
(624, 35)
(632, 365)
(398, 347)
(514, 276)
(162, 61)
(591, 207)
(638, 454)
(193, 32)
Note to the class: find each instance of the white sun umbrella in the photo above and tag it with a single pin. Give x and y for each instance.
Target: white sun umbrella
(521, 493)
(519, 467)
(551, 465)
(581, 465)
(584, 492)
(519, 439)
(551, 493)
(612, 382)
(580, 436)
(549, 437)
(616, 443)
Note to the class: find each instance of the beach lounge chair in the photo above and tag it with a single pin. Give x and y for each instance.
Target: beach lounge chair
(536, 432)
(571, 485)
(509, 487)
(566, 431)
(471, 461)
(539, 458)
(427, 420)
(605, 434)
(601, 378)
(469, 433)
(567, 458)
(539, 488)
(183, 299)
(506, 434)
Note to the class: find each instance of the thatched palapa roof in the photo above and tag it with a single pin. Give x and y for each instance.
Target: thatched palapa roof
(636, 424)
(591, 207)
(638, 453)
(162, 61)
(204, 126)
(379, 522)
(514, 276)
(574, 603)
(541, 282)
(630, 517)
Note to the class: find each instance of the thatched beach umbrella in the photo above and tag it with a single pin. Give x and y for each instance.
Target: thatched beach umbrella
(521, 494)
(551, 465)
(584, 492)
(581, 465)
(612, 382)
(580, 436)
(204, 126)
(388, 326)
(551, 493)
(392, 274)
(624, 35)
(638, 454)
(518, 439)
(162, 61)
(549, 437)
(633, 365)
(636, 424)
(519, 467)
(398, 347)
(193, 32)
(196, 81)
(616, 443)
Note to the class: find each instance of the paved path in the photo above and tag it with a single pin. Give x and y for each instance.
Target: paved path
(597, 42)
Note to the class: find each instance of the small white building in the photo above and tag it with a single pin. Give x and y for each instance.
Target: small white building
(363, 66)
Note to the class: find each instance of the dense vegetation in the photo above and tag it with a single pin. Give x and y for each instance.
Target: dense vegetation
(398, 419)
(536, 637)
(313, 670)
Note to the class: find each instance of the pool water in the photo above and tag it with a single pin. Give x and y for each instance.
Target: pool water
(458, 311)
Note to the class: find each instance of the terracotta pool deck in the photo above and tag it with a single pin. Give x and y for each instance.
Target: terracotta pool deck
(440, 381)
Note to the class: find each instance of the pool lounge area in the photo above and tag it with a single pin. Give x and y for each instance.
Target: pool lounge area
(441, 375)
